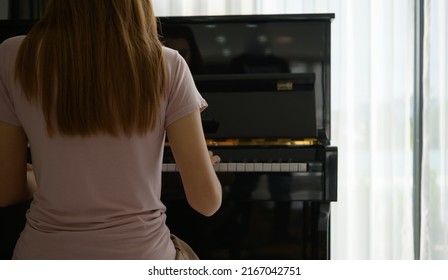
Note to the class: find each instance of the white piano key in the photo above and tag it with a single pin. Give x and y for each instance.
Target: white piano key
(240, 167)
(223, 167)
(276, 167)
(284, 167)
(250, 167)
(267, 167)
(294, 167)
(170, 167)
(231, 167)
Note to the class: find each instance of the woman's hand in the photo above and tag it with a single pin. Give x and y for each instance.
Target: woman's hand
(31, 179)
(215, 159)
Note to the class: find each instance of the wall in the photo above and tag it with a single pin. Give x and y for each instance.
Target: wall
(4, 6)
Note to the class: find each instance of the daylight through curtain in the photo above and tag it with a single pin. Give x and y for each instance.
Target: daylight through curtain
(434, 241)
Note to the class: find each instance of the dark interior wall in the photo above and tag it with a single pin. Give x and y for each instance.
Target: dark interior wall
(4, 9)
(26, 9)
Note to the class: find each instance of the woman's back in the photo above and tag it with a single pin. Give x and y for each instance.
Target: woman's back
(94, 104)
(98, 196)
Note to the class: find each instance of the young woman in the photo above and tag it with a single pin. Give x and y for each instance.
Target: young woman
(94, 93)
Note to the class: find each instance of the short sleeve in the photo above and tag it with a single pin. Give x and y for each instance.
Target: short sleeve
(183, 96)
(7, 110)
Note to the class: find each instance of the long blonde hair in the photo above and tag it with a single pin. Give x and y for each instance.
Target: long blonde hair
(97, 66)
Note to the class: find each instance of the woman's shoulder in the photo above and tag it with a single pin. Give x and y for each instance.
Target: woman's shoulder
(8, 53)
(10, 47)
(13, 42)
(170, 55)
(174, 62)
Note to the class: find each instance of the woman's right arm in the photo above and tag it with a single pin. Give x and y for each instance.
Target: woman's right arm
(201, 185)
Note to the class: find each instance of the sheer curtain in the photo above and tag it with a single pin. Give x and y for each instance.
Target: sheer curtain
(434, 230)
(372, 93)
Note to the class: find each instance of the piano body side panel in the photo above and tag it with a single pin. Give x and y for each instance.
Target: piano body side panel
(331, 173)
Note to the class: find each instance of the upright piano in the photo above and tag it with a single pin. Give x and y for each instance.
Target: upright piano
(266, 79)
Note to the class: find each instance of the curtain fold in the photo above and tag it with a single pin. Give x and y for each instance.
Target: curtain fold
(372, 95)
(205, 7)
(371, 121)
(434, 228)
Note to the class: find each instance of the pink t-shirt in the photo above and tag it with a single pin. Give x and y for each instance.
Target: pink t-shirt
(98, 197)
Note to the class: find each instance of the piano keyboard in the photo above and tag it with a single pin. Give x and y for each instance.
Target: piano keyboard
(249, 167)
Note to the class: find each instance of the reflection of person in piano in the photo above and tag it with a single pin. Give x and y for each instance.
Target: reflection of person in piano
(244, 187)
(257, 56)
(182, 39)
(96, 125)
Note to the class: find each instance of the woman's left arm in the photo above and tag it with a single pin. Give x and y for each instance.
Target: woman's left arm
(13, 166)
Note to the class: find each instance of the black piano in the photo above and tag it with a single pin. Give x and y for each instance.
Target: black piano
(266, 79)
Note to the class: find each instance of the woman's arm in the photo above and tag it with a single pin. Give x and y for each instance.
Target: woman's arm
(201, 185)
(13, 167)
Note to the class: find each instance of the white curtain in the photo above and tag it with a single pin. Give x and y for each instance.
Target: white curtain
(372, 98)
(434, 241)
